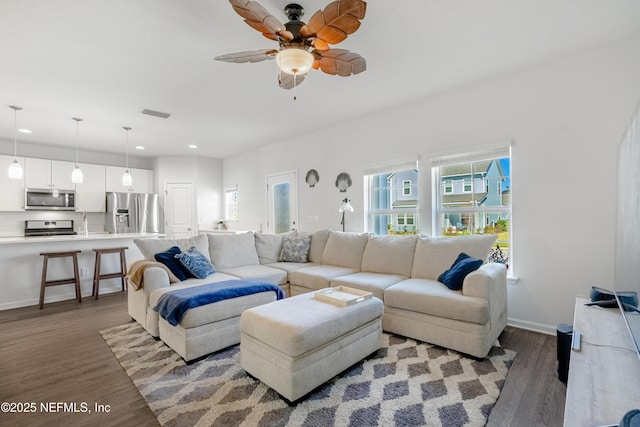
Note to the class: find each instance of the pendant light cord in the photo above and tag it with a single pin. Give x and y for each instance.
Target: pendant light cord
(15, 133)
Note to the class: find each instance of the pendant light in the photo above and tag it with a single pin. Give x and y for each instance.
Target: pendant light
(15, 170)
(76, 175)
(126, 178)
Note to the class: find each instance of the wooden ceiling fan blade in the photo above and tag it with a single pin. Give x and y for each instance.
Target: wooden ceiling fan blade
(248, 56)
(289, 81)
(339, 19)
(259, 18)
(341, 62)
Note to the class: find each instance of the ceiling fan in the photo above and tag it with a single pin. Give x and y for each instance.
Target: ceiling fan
(304, 46)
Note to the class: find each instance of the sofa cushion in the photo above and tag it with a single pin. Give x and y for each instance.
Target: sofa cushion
(318, 242)
(168, 258)
(376, 283)
(233, 250)
(345, 249)
(389, 254)
(318, 276)
(196, 263)
(269, 246)
(462, 266)
(150, 247)
(433, 256)
(432, 297)
(295, 249)
(258, 272)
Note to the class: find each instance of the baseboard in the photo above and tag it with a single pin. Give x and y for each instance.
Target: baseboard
(531, 326)
(56, 298)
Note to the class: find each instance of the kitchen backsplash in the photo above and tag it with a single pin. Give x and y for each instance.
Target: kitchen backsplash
(12, 223)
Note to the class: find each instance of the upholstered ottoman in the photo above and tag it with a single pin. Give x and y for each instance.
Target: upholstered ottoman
(212, 326)
(296, 344)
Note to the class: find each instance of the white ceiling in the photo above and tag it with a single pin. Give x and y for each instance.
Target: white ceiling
(105, 61)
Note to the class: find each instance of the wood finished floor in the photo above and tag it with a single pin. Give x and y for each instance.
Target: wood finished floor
(57, 355)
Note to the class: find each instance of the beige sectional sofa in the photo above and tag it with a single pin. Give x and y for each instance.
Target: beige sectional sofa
(402, 271)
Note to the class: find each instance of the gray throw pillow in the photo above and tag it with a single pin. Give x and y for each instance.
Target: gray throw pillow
(295, 248)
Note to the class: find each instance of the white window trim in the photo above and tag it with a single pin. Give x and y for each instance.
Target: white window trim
(489, 151)
(397, 165)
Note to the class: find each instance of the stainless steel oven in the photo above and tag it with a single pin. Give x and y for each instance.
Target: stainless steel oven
(49, 200)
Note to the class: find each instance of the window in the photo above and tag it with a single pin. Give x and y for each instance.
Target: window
(391, 198)
(481, 203)
(231, 203)
(406, 188)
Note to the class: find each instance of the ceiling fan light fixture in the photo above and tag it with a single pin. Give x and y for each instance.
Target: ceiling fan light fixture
(294, 60)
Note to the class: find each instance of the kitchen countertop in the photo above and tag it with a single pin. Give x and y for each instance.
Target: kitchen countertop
(12, 240)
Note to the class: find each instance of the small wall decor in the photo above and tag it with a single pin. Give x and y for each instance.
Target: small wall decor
(343, 181)
(312, 177)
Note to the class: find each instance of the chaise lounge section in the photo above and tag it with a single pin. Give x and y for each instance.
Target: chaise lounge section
(402, 271)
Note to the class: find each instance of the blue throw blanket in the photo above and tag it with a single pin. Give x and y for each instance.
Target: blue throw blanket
(173, 305)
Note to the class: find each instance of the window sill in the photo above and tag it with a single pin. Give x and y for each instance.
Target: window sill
(512, 280)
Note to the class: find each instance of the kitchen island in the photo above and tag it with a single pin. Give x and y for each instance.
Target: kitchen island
(21, 265)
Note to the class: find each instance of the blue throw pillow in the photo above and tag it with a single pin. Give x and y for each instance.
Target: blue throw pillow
(168, 259)
(196, 263)
(454, 276)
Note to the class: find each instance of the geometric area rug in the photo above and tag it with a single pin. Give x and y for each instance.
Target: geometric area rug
(405, 383)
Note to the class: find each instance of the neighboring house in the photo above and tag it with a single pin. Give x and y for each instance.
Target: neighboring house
(472, 185)
(395, 196)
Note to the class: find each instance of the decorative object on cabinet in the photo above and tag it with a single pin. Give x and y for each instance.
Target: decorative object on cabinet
(76, 175)
(126, 177)
(312, 177)
(346, 207)
(15, 170)
(343, 181)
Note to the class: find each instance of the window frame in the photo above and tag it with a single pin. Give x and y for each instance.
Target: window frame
(231, 207)
(496, 151)
(392, 213)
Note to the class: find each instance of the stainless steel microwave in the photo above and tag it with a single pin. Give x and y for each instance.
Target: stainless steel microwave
(49, 200)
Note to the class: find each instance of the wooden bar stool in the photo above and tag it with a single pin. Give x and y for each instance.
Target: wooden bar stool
(75, 279)
(97, 276)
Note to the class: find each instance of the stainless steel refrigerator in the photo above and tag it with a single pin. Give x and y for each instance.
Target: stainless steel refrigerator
(132, 213)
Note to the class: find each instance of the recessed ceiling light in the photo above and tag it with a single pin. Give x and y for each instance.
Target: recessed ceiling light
(24, 130)
(193, 146)
(139, 147)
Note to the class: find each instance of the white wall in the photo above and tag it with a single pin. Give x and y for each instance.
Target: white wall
(206, 176)
(565, 117)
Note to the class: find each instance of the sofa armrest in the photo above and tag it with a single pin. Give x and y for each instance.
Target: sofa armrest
(154, 278)
(487, 282)
(490, 283)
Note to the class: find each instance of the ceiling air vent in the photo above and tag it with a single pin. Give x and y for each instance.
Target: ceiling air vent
(156, 113)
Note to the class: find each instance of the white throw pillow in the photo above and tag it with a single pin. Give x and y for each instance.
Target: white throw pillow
(233, 250)
(389, 254)
(344, 249)
(434, 256)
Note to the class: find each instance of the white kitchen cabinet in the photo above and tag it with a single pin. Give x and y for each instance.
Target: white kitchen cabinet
(90, 194)
(141, 180)
(53, 174)
(12, 189)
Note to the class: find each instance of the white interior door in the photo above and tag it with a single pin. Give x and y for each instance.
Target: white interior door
(282, 202)
(179, 222)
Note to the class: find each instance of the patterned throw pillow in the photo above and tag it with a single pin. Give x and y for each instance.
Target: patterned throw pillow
(196, 263)
(295, 249)
(168, 259)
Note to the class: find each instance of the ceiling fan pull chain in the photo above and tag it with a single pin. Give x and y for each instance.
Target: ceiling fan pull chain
(295, 87)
